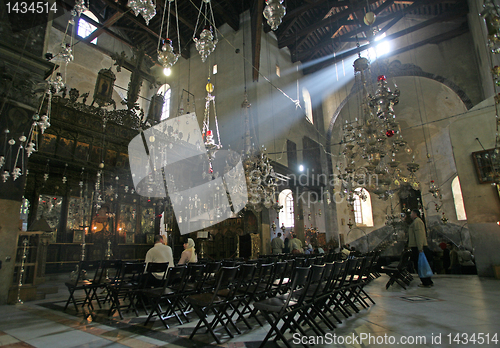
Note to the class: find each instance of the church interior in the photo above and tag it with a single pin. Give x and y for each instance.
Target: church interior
(328, 121)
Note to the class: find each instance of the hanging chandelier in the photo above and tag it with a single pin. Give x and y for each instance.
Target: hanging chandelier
(207, 133)
(207, 41)
(259, 173)
(166, 55)
(274, 13)
(373, 142)
(146, 8)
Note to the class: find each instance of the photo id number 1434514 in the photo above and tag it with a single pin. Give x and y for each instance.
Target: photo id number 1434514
(472, 339)
(31, 7)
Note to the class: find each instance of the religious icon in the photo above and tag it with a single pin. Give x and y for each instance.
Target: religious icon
(103, 91)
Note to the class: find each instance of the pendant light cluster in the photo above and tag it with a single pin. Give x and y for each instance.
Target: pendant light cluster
(208, 40)
(373, 142)
(274, 13)
(166, 55)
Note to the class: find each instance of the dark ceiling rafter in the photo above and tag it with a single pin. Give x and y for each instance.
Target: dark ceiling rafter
(457, 13)
(181, 18)
(393, 17)
(348, 37)
(256, 33)
(102, 28)
(229, 16)
(323, 23)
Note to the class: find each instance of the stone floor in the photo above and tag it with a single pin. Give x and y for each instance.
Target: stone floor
(463, 305)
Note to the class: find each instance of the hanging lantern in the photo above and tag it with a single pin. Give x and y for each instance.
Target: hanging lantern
(146, 8)
(166, 56)
(274, 13)
(155, 109)
(369, 18)
(206, 43)
(79, 8)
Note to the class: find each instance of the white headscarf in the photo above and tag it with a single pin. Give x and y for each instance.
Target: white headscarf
(190, 247)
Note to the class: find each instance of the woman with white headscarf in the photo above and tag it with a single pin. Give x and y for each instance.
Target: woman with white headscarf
(189, 254)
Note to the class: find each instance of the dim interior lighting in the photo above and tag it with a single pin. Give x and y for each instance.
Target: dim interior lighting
(301, 168)
(167, 71)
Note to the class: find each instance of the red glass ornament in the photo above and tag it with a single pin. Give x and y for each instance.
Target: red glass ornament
(209, 132)
(381, 78)
(389, 133)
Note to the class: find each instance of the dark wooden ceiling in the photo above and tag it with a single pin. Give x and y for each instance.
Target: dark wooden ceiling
(311, 29)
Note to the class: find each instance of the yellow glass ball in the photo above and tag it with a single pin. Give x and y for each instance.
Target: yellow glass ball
(209, 87)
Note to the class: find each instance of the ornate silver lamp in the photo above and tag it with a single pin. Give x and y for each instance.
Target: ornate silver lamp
(274, 13)
(207, 41)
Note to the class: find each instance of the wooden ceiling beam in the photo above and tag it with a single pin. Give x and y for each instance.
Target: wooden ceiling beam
(393, 17)
(102, 28)
(328, 41)
(458, 13)
(323, 23)
(383, 7)
(231, 18)
(256, 32)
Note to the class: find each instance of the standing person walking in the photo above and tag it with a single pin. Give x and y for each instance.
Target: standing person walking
(417, 241)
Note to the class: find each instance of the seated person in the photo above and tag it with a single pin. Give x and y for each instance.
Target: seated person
(309, 249)
(189, 254)
(159, 253)
(345, 253)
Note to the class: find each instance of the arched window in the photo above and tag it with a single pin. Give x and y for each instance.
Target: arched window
(363, 215)
(166, 91)
(458, 199)
(286, 213)
(85, 28)
(307, 104)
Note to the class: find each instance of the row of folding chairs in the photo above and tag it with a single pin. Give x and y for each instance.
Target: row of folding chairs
(113, 281)
(238, 293)
(89, 277)
(317, 294)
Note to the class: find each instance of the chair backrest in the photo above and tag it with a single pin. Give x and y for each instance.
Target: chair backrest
(132, 271)
(228, 263)
(226, 279)
(213, 267)
(348, 272)
(405, 260)
(195, 274)
(246, 275)
(88, 270)
(300, 281)
(110, 269)
(158, 268)
(175, 275)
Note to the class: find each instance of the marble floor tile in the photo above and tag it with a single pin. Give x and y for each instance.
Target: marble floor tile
(456, 304)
